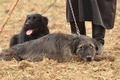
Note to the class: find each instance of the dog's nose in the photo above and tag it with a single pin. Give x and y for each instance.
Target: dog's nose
(89, 58)
(27, 24)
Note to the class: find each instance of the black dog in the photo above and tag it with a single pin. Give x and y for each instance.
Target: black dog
(34, 27)
(56, 46)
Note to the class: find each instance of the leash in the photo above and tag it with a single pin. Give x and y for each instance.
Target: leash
(49, 7)
(8, 15)
(77, 29)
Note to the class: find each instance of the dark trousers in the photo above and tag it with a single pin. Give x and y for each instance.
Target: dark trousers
(81, 26)
(98, 32)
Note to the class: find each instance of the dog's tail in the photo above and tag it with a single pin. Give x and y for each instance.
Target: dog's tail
(8, 55)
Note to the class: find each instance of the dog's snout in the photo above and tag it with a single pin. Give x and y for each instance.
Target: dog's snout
(89, 58)
(27, 24)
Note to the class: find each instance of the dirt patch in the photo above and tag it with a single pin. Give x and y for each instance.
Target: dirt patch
(49, 69)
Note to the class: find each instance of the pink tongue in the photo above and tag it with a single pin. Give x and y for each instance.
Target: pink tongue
(29, 32)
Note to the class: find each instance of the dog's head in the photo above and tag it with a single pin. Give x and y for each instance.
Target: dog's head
(35, 22)
(85, 47)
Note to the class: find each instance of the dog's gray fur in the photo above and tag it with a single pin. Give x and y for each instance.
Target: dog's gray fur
(56, 46)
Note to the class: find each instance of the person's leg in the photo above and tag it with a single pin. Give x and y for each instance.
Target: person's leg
(81, 26)
(98, 33)
(73, 28)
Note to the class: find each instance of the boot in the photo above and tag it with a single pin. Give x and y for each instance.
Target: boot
(81, 26)
(98, 33)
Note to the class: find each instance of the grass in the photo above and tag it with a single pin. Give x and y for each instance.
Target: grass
(47, 1)
(47, 69)
(1, 1)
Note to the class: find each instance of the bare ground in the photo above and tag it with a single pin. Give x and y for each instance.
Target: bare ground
(49, 69)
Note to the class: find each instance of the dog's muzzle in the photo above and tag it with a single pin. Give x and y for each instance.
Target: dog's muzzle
(89, 58)
(27, 24)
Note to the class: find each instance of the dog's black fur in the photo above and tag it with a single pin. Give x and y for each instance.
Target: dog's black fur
(35, 22)
(56, 46)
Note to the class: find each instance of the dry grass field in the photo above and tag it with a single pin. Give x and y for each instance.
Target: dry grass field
(49, 69)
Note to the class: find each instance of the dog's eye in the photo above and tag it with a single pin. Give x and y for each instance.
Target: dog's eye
(81, 47)
(34, 18)
(91, 46)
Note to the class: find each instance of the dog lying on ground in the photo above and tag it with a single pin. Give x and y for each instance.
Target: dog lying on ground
(56, 46)
(34, 27)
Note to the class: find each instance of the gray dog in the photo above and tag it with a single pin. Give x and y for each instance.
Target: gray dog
(56, 46)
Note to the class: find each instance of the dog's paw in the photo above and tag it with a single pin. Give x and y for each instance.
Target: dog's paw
(104, 57)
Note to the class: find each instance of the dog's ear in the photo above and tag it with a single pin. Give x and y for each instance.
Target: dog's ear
(75, 44)
(95, 43)
(45, 20)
